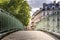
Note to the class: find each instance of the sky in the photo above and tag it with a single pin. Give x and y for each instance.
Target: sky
(36, 4)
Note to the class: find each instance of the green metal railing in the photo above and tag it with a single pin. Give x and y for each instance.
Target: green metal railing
(9, 22)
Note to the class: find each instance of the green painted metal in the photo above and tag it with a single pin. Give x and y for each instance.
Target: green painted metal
(9, 22)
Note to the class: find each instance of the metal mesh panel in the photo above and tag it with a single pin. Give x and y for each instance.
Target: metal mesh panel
(9, 22)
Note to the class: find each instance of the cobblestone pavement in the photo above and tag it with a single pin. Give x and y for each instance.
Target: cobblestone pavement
(29, 35)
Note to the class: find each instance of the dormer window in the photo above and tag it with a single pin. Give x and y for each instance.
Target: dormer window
(53, 7)
(59, 6)
(46, 8)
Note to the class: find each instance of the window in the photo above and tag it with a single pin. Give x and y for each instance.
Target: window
(47, 13)
(48, 8)
(53, 7)
(44, 14)
(57, 13)
(53, 19)
(58, 19)
(53, 13)
(47, 18)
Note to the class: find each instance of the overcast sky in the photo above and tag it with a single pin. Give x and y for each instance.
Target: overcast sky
(36, 4)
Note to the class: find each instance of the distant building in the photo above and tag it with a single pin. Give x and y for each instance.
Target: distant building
(47, 18)
(35, 18)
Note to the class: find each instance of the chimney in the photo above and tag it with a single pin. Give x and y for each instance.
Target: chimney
(54, 2)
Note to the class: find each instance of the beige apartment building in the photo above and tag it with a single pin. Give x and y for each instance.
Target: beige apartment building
(47, 18)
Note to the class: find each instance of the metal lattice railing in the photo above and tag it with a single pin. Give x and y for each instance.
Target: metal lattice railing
(9, 22)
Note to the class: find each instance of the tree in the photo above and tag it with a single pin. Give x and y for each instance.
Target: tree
(19, 8)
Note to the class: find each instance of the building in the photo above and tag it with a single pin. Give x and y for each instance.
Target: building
(47, 18)
(35, 18)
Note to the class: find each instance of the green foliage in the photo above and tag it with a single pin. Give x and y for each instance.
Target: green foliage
(19, 8)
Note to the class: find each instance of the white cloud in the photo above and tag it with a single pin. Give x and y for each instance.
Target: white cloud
(36, 4)
(33, 10)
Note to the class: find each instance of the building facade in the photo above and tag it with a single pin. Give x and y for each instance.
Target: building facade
(35, 19)
(49, 17)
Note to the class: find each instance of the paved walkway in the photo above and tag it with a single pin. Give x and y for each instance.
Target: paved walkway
(29, 35)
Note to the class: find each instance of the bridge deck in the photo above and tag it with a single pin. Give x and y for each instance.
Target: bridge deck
(29, 35)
